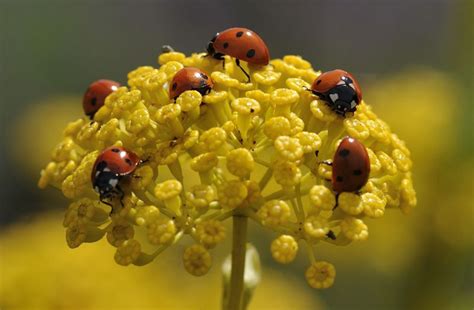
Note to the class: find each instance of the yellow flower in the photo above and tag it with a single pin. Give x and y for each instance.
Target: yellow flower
(259, 149)
(197, 260)
(169, 191)
(320, 275)
(277, 126)
(322, 197)
(284, 249)
(240, 162)
(232, 194)
(201, 196)
(274, 213)
(286, 173)
(210, 232)
(316, 227)
(127, 252)
(351, 203)
(120, 232)
(204, 162)
(161, 231)
(354, 229)
(289, 148)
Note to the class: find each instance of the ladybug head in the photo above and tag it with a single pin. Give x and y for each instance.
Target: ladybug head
(210, 46)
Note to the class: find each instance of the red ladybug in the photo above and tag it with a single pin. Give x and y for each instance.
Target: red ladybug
(339, 89)
(240, 43)
(95, 95)
(190, 78)
(350, 166)
(112, 167)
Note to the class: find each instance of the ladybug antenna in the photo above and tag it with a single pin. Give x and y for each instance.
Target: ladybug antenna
(167, 49)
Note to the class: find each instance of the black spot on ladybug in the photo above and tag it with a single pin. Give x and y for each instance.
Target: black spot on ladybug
(239, 34)
(316, 153)
(252, 110)
(250, 53)
(357, 172)
(115, 150)
(204, 76)
(94, 101)
(174, 86)
(128, 161)
(339, 178)
(226, 45)
(344, 152)
(101, 165)
(319, 82)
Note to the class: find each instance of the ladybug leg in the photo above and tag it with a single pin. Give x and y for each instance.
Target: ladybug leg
(331, 235)
(121, 193)
(327, 162)
(237, 61)
(337, 201)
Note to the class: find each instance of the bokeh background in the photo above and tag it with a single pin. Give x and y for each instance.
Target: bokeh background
(414, 60)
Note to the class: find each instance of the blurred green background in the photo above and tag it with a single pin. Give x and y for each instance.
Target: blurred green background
(414, 60)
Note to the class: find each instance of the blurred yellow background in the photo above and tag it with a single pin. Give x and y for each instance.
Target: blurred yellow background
(415, 63)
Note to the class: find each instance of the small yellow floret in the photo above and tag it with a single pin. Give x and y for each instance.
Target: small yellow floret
(354, 229)
(277, 126)
(322, 197)
(201, 196)
(284, 249)
(240, 162)
(197, 260)
(310, 141)
(321, 111)
(119, 232)
(204, 162)
(161, 231)
(320, 275)
(289, 148)
(210, 232)
(76, 234)
(147, 215)
(274, 213)
(168, 189)
(286, 173)
(351, 203)
(316, 227)
(189, 100)
(128, 252)
(374, 206)
(232, 194)
(246, 106)
(213, 139)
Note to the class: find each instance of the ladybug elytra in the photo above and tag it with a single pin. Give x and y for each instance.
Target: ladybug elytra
(240, 43)
(190, 78)
(350, 166)
(94, 97)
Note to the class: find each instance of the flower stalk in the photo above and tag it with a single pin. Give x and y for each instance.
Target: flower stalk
(239, 241)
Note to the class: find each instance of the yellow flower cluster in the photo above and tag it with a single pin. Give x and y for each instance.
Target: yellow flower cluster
(255, 149)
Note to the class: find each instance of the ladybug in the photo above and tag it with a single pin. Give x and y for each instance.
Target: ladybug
(190, 78)
(350, 166)
(94, 97)
(240, 43)
(112, 168)
(339, 89)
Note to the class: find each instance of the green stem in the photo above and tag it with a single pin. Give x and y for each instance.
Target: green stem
(239, 240)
